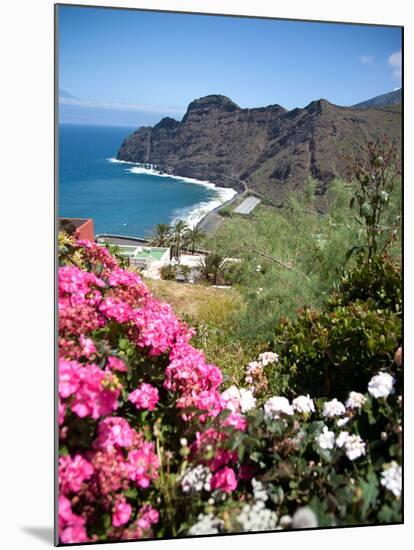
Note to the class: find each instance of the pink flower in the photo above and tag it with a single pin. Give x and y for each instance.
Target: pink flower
(97, 392)
(123, 277)
(209, 400)
(69, 377)
(147, 516)
(237, 421)
(212, 439)
(121, 513)
(111, 471)
(114, 431)
(114, 363)
(224, 479)
(143, 464)
(188, 371)
(144, 397)
(156, 327)
(71, 526)
(116, 309)
(87, 345)
(73, 472)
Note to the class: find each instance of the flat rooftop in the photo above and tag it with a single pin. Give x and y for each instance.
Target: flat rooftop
(247, 206)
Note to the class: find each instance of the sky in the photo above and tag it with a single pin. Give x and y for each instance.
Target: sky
(131, 68)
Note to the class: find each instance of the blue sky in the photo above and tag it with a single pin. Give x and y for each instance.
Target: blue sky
(131, 68)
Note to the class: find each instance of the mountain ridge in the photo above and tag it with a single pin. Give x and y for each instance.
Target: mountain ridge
(272, 150)
(382, 100)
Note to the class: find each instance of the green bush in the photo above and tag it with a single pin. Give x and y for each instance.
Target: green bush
(184, 270)
(332, 351)
(168, 272)
(328, 353)
(377, 279)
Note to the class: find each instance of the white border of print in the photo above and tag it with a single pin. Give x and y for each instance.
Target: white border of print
(26, 273)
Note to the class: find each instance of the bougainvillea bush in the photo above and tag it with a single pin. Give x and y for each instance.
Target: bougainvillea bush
(153, 444)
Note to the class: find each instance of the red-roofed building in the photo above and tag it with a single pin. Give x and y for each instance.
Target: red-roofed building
(82, 228)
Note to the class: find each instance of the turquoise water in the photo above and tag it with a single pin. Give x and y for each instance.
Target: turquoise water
(119, 200)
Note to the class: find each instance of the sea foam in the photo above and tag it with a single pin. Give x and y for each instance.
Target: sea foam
(193, 214)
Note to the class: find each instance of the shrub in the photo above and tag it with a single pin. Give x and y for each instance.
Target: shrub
(168, 272)
(225, 212)
(341, 460)
(377, 279)
(184, 270)
(129, 385)
(331, 351)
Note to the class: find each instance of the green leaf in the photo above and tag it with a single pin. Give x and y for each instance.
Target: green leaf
(370, 492)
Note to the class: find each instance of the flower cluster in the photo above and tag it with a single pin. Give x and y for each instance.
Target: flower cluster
(207, 524)
(277, 406)
(196, 478)
(119, 345)
(87, 389)
(237, 400)
(144, 397)
(255, 372)
(381, 385)
(257, 517)
(391, 478)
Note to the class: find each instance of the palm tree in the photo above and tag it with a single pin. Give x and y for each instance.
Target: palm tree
(179, 232)
(161, 235)
(194, 238)
(212, 267)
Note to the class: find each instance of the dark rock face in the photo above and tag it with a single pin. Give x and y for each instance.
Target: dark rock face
(271, 150)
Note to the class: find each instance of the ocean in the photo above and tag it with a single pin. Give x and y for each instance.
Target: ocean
(123, 198)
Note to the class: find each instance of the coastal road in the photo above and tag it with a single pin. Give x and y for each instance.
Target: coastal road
(213, 220)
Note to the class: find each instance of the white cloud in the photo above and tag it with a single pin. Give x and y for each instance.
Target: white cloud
(395, 61)
(119, 106)
(366, 59)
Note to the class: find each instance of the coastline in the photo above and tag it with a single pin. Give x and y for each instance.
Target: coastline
(212, 220)
(200, 214)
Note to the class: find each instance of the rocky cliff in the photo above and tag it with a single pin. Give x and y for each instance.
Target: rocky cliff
(268, 149)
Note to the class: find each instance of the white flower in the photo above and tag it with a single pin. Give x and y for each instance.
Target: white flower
(303, 404)
(231, 398)
(235, 399)
(259, 491)
(258, 267)
(342, 439)
(354, 447)
(391, 478)
(247, 401)
(326, 439)
(381, 385)
(257, 517)
(254, 365)
(304, 518)
(285, 521)
(342, 421)
(207, 525)
(183, 442)
(276, 405)
(333, 408)
(268, 357)
(355, 400)
(196, 479)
